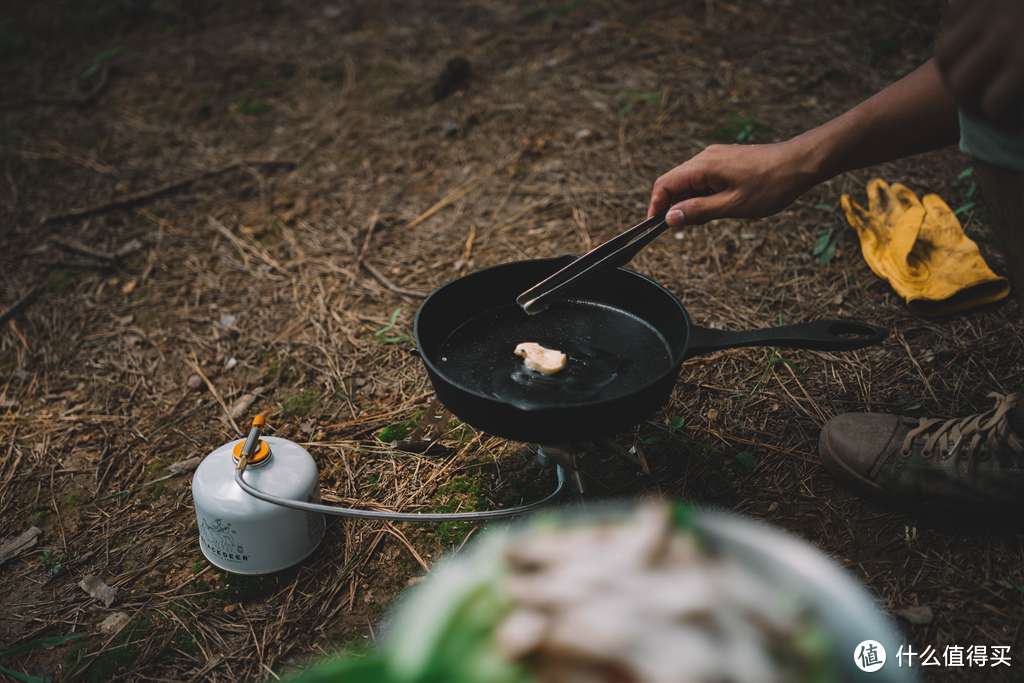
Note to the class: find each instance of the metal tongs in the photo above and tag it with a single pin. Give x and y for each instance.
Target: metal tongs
(618, 251)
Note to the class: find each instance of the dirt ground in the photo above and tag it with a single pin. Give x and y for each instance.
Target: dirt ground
(288, 178)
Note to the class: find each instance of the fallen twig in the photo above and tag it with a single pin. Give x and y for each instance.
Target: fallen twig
(917, 366)
(176, 469)
(246, 249)
(216, 394)
(63, 155)
(457, 193)
(16, 308)
(388, 284)
(467, 250)
(462, 190)
(77, 247)
(157, 192)
(391, 529)
(366, 238)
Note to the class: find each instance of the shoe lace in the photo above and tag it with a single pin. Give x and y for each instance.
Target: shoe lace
(967, 435)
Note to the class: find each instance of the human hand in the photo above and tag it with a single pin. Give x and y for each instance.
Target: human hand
(733, 181)
(981, 58)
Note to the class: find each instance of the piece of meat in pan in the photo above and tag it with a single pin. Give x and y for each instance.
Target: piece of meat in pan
(543, 360)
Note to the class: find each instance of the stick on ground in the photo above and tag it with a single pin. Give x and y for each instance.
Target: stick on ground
(216, 394)
(138, 198)
(16, 308)
(391, 286)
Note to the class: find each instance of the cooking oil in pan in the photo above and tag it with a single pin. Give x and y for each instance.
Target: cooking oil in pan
(587, 371)
(610, 353)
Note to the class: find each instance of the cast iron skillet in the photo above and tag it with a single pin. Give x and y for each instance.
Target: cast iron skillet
(626, 337)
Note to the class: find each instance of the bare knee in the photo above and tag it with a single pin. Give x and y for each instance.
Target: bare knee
(1003, 192)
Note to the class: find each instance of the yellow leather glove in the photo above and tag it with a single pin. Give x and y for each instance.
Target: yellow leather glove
(920, 248)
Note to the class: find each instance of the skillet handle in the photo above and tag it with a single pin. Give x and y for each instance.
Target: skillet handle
(819, 335)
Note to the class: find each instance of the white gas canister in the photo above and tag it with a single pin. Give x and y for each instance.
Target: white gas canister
(245, 535)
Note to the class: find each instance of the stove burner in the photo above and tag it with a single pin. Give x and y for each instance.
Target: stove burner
(564, 457)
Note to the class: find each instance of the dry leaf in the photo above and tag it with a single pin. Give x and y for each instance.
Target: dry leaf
(184, 465)
(15, 546)
(114, 623)
(917, 614)
(129, 247)
(97, 588)
(129, 287)
(242, 405)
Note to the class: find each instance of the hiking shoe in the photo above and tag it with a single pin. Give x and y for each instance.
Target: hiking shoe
(977, 458)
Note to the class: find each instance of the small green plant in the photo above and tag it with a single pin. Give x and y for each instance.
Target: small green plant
(549, 12)
(828, 239)
(825, 246)
(636, 99)
(98, 61)
(458, 494)
(460, 431)
(396, 431)
(746, 460)
(300, 404)
(969, 187)
(746, 131)
(53, 561)
(739, 129)
(252, 106)
(389, 333)
(677, 424)
(775, 360)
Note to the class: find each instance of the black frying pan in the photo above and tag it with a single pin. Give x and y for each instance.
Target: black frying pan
(626, 337)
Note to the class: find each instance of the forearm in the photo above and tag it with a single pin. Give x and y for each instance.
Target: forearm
(750, 181)
(913, 115)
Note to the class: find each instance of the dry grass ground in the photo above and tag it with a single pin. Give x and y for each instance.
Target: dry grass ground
(307, 273)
